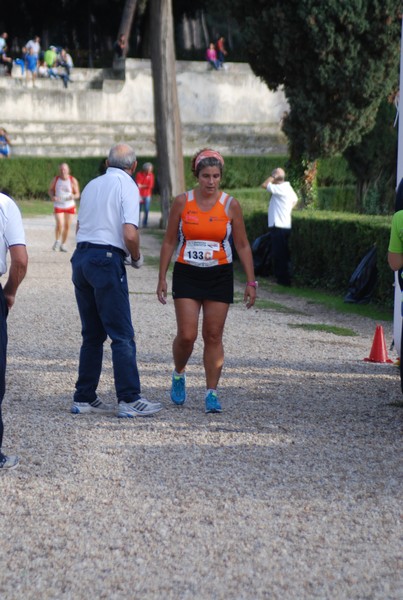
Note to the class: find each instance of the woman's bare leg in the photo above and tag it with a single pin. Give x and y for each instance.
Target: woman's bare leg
(214, 316)
(187, 320)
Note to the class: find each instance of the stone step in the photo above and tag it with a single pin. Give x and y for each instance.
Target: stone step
(69, 139)
(230, 110)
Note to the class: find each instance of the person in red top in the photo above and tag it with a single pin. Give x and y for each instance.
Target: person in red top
(200, 224)
(145, 181)
(221, 51)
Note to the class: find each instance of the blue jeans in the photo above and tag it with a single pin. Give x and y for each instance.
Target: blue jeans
(102, 295)
(145, 206)
(3, 354)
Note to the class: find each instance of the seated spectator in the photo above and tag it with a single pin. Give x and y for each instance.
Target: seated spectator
(21, 61)
(5, 60)
(211, 56)
(3, 40)
(43, 69)
(65, 62)
(4, 144)
(50, 57)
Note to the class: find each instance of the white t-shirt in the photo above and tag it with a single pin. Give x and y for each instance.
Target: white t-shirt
(11, 229)
(107, 203)
(282, 201)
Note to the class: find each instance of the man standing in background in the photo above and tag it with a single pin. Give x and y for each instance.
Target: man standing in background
(282, 201)
(12, 239)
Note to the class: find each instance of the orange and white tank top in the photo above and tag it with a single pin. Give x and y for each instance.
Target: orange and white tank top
(204, 236)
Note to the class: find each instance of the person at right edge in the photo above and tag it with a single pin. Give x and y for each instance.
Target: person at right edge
(12, 240)
(395, 259)
(107, 233)
(201, 222)
(282, 201)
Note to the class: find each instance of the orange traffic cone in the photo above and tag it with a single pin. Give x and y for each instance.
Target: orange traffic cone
(378, 352)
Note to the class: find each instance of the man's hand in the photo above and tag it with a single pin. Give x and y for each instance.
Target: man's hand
(138, 262)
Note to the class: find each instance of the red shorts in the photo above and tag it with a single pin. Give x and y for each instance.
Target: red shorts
(70, 211)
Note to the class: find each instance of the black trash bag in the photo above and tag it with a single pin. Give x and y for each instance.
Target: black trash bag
(363, 281)
(261, 252)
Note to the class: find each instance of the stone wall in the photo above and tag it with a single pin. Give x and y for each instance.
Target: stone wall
(230, 109)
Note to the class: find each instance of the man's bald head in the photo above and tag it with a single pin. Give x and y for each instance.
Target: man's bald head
(278, 175)
(122, 156)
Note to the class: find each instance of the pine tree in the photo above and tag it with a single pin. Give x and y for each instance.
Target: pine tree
(337, 61)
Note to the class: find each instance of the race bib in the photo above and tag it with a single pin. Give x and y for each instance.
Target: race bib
(200, 251)
(65, 196)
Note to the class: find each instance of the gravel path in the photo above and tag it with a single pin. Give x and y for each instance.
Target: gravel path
(293, 492)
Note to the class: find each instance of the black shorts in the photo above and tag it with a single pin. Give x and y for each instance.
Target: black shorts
(203, 283)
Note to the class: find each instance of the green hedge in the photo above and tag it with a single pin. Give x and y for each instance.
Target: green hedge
(334, 172)
(25, 177)
(326, 248)
(242, 171)
(341, 198)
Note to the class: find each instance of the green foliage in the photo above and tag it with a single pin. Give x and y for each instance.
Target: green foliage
(334, 171)
(25, 177)
(336, 61)
(342, 198)
(242, 171)
(373, 161)
(327, 247)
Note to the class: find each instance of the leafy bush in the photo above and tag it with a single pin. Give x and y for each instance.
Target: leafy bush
(342, 198)
(334, 172)
(326, 247)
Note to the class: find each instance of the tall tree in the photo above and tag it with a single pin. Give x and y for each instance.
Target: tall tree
(337, 60)
(126, 22)
(168, 132)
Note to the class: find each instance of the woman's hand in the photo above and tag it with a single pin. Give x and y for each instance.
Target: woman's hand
(162, 291)
(249, 296)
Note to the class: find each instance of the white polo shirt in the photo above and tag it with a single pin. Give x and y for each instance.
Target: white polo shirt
(107, 203)
(281, 203)
(11, 229)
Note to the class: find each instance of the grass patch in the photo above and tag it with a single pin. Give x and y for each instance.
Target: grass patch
(344, 331)
(314, 296)
(372, 311)
(35, 208)
(264, 304)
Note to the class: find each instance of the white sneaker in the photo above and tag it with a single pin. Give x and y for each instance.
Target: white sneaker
(139, 408)
(63, 248)
(7, 463)
(56, 246)
(81, 408)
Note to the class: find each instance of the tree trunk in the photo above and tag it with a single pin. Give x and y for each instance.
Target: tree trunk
(168, 132)
(126, 21)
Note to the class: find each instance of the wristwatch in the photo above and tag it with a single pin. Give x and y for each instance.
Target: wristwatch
(254, 284)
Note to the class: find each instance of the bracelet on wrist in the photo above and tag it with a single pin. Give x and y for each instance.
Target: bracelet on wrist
(254, 284)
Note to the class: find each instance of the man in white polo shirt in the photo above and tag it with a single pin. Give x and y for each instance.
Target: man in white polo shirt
(107, 233)
(12, 239)
(282, 201)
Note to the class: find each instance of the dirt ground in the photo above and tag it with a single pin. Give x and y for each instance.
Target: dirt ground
(293, 492)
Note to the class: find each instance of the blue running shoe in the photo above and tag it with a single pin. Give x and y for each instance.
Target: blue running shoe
(178, 389)
(212, 404)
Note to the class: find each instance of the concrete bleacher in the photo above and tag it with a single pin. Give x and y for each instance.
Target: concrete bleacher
(231, 110)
